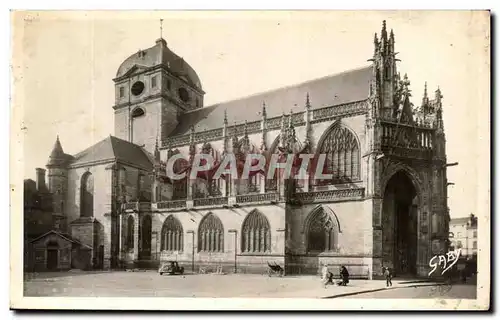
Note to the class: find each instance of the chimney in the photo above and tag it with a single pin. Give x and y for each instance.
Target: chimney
(40, 179)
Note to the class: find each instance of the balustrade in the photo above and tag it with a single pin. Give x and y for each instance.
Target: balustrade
(331, 195)
(256, 198)
(209, 202)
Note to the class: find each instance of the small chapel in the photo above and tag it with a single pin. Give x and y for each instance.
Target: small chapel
(112, 205)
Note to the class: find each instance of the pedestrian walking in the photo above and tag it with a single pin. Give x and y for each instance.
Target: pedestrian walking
(388, 277)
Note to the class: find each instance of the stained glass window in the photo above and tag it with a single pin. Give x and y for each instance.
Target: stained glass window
(256, 233)
(342, 156)
(172, 235)
(211, 234)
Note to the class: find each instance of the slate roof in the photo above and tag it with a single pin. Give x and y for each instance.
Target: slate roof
(113, 148)
(160, 54)
(66, 236)
(345, 87)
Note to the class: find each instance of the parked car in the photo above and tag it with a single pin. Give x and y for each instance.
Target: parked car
(171, 268)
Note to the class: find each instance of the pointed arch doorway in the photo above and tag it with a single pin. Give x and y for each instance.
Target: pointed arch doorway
(399, 225)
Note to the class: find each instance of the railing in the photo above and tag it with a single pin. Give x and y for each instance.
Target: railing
(137, 206)
(175, 204)
(130, 206)
(331, 195)
(256, 198)
(209, 202)
(403, 135)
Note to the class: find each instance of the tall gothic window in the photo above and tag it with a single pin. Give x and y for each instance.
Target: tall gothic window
(87, 195)
(211, 234)
(322, 233)
(272, 184)
(130, 233)
(179, 186)
(342, 155)
(123, 182)
(256, 233)
(140, 187)
(171, 235)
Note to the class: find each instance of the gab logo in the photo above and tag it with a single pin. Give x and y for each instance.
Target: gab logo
(447, 261)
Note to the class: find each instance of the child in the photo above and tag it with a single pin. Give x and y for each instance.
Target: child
(388, 276)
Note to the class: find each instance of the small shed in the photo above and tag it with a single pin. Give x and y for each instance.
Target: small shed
(54, 251)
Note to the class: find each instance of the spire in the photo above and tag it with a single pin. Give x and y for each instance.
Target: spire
(425, 98)
(57, 156)
(307, 120)
(263, 146)
(375, 44)
(283, 131)
(235, 138)
(161, 28)
(245, 143)
(438, 95)
(405, 84)
(225, 117)
(391, 42)
(383, 36)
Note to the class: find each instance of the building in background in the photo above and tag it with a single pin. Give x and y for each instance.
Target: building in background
(463, 234)
(386, 205)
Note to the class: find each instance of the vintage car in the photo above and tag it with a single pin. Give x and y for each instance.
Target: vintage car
(170, 267)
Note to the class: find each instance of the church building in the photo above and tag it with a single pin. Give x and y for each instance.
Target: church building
(114, 206)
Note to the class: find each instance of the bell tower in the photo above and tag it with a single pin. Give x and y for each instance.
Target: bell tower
(153, 87)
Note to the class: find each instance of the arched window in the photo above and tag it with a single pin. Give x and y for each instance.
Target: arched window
(171, 235)
(256, 233)
(211, 234)
(322, 232)
(272, 184)
(342, 155)
(137, 112)
(87, 195)
(130, 233)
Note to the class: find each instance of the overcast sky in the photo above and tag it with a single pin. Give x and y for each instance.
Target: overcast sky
(65, 64)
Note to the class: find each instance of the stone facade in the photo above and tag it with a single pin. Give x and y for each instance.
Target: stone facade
(374, 138)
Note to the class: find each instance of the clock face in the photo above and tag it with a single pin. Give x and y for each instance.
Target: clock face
(137, 88)
(183, 94)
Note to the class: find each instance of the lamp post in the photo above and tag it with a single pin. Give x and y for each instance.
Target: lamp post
(235, 249)
(192, 252)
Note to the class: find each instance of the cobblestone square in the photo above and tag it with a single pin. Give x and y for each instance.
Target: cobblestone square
(151, 284)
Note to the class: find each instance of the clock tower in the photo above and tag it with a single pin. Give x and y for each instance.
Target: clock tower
(153, 88)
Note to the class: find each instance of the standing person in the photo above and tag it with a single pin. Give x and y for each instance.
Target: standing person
(344, 274)
(388, 276)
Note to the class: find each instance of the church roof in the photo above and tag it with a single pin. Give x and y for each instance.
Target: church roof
(113, 148)
(160, 54)
(341, 88)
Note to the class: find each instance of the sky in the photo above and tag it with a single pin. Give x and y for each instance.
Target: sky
(64, 64)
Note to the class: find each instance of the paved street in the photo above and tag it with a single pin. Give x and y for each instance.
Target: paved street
(151, 284)
(459, 291)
